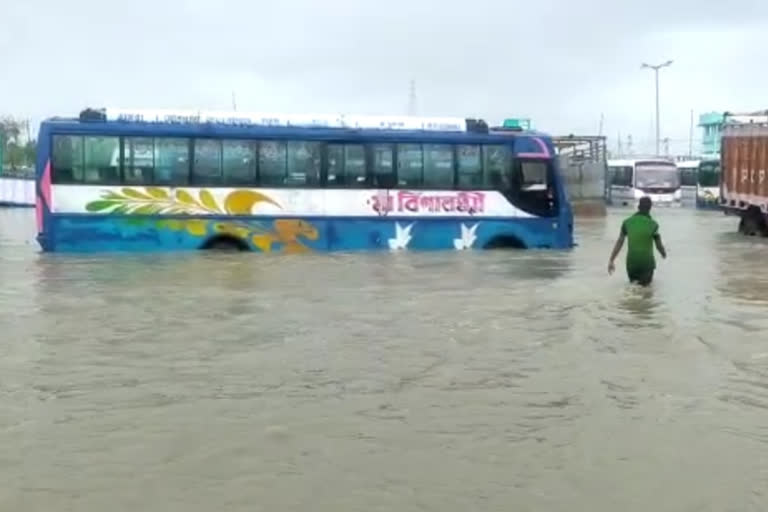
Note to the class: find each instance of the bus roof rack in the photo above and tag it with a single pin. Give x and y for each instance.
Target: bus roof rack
(333, 121)
(502, 129)
(92, 114)
(477, 126)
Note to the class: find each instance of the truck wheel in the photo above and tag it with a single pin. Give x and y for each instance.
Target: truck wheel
(752, 222)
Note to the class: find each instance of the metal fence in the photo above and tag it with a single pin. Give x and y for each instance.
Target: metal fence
(583, 161)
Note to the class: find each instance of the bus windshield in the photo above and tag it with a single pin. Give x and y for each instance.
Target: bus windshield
(656, 176)
(709, 174)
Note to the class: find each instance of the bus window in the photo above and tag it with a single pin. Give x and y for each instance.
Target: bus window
(438, 166)
(687, 177)
(90, 160)
(495, 160)
(99, 166)
(656, 176)
(470, 167)
(272, 164)
(531, 187)
(171, 161)
(207, 164)
(533, 176)
(709, 175)
(239, 162)
(383, 168)
(303, 164)
(67, 159)
(138, 161)
(410, 165)
(346, 165)
(621, 176)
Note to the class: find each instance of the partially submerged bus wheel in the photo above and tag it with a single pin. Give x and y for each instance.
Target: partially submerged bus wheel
(752, 222)
(505, 242)
(225, 243)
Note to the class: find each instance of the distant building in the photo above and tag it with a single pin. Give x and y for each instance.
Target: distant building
(711, 125)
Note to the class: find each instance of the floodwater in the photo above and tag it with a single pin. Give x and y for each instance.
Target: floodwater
(498, 381)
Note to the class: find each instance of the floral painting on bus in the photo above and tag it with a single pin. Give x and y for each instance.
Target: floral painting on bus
(156, 200)
(291, 235)
(280, 235)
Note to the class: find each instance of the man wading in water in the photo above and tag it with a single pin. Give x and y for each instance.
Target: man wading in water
(642, 233)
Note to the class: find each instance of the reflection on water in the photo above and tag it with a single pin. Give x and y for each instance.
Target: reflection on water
(407, 381)
(741, 261)
(640, 304)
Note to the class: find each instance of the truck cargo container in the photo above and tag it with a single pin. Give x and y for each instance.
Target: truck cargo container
(744, 187)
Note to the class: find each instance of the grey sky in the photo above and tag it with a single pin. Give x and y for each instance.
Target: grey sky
(558, 61)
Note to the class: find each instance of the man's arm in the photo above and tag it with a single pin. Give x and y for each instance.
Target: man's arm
(616, 249)
(659, 245)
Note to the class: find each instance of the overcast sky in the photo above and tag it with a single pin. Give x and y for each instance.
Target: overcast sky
(560, 62)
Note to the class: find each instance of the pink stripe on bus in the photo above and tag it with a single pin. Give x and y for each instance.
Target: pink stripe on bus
(43, 199)
(544, 150)
(45, 184)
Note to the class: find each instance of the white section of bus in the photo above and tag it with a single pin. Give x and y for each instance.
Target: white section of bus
(631, 179)
(335, 203)
(358, 122)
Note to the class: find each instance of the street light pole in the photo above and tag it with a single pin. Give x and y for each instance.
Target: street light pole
(656, 69)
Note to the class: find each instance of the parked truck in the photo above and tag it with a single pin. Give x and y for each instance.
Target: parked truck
(744, 164)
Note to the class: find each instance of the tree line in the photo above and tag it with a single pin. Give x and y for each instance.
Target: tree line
(17, 147)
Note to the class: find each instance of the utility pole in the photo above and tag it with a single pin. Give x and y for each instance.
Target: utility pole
(412, 108)
(656, 68)
(234, 102)
(690, 137)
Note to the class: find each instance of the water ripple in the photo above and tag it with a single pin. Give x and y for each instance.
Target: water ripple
(425, 381)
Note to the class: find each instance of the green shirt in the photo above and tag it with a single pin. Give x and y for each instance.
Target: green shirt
(641, 231)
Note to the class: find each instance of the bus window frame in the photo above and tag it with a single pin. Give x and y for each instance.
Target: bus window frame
(519, 196)
(368, 143)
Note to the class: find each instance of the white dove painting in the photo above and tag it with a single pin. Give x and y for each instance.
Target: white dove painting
(402, 236)
(468, 237)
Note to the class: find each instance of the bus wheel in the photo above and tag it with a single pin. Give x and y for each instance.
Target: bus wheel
(505, 242)
(225, 243)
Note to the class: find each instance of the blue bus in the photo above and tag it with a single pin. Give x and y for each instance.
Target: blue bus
(123, 180)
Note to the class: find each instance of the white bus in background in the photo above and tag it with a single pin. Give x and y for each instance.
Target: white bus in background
(689, 171)
(631, 179)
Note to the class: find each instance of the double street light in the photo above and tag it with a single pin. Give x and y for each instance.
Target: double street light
(656, 69)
